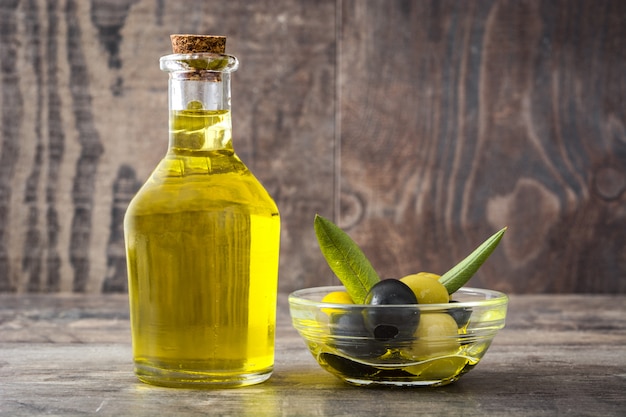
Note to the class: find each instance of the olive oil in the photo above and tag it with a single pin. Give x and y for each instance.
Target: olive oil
(202, 239)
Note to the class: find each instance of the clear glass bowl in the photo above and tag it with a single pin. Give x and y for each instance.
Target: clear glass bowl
(447, 341)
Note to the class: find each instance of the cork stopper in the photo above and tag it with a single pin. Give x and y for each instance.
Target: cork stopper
(195, 44)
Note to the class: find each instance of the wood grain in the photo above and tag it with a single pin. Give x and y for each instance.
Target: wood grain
(420, 126)
(71, 355)
(84, 116)
(459, 118)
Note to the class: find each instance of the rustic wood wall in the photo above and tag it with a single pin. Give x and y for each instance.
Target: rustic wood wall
(421, 127)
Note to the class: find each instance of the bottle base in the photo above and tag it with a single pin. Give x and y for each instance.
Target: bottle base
(198, 380)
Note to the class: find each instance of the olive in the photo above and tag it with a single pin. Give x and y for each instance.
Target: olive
(436, 336)
(351, 369)
(427, 288)
(336, 297)
(391, 323)
(351, 337)
(460, 315)
(347, 367)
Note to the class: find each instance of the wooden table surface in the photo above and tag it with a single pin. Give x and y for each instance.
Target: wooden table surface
(70, 355)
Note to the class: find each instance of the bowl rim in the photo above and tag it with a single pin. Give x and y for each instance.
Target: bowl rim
(495, 298)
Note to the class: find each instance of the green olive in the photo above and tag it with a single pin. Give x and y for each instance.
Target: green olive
(438, 369)
(427, 288)
(336, 297)
(436, 336)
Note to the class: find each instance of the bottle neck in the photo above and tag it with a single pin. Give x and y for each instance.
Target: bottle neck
(199, 102)
(202, 90)
(200, 114)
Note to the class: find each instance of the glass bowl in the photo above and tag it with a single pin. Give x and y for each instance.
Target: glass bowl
(431, 345)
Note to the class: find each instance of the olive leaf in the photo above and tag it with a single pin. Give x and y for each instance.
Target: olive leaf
(456, 277)
(346, 259)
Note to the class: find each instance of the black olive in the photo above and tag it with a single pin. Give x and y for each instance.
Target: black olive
(351, 369)
(460, 315)
(393, 323)
(352, 337)
(347, 367)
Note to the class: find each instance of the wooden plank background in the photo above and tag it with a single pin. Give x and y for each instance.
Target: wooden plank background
(421, 127)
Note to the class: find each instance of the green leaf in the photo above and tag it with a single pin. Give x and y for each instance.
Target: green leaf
(346, 259)
(456, 277)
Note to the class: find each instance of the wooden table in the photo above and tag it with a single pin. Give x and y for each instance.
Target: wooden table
(70, 355)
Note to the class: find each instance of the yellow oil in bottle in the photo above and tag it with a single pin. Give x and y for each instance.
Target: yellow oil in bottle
(202, 239)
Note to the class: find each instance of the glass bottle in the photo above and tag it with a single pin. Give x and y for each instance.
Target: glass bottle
(202, 241)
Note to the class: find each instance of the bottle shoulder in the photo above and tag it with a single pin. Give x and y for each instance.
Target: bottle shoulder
(180, 163)
(202, 183)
